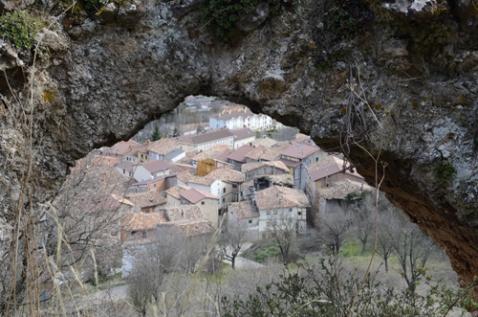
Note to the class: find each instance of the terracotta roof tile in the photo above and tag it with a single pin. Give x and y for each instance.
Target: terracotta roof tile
(280, 197)
(140, 221)
(147, 199)
(300, 150)
(155, 166)
(193, 195)
(255, 165)
(163, 146)
(329, 166)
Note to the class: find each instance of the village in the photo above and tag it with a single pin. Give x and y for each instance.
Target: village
(231, 176)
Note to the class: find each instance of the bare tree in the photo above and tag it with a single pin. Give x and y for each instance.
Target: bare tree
(413, 249)
(333, 228)
(232, 241)
(153, 262)
(284, 234)
(363, 222)
(145, 278)
(387, 231)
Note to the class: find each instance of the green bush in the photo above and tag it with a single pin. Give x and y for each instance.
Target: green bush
(20, 28)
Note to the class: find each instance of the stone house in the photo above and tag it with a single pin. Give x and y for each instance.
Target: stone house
(224, 183)
(140, 227)
(279, 206)
(166, 149)
(151, 170)
(153, 185)
(256, 169)
(298, 156)
(205, 201)
(245, 216)
(330, 181)
(125, 168)
(238, 157)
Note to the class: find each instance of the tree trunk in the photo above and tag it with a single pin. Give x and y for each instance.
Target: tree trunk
(233, 262)
(385, 262)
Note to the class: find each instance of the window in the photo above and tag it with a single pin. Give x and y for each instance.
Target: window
(290, 209)
(299, 213)
(234, 185)
(223, 200)
(202, 203)
(224, 190)
(316, 159)
(250, 221)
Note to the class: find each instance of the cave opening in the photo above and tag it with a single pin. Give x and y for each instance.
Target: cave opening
(211, 185)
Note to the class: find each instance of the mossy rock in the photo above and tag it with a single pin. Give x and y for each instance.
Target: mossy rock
(20, 28)
(444, 172)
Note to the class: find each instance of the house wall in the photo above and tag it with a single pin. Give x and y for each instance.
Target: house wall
(229, 141)
(262, 171)
(160, 174)
(215, 123)
(142, 174)
(235, 164)
(249, 225)
(210, 210)
(130, 158)
(175, 155)
(153, 156)
(338, 177)
(138, 235)
(172, 201)
(124, 172)
(294, 217)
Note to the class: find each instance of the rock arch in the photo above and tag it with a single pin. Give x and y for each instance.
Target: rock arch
(375, 81)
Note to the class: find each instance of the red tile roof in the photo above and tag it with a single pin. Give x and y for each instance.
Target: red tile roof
(193, 195)
(239, 155)
(155, 166)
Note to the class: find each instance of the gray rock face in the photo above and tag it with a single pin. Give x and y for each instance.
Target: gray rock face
(403, 86)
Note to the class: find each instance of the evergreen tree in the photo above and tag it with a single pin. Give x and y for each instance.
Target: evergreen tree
(156, 134)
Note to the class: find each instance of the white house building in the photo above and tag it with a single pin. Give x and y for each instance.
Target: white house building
(238, 118)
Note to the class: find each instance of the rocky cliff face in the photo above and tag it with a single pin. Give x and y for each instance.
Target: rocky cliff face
(393, 85)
